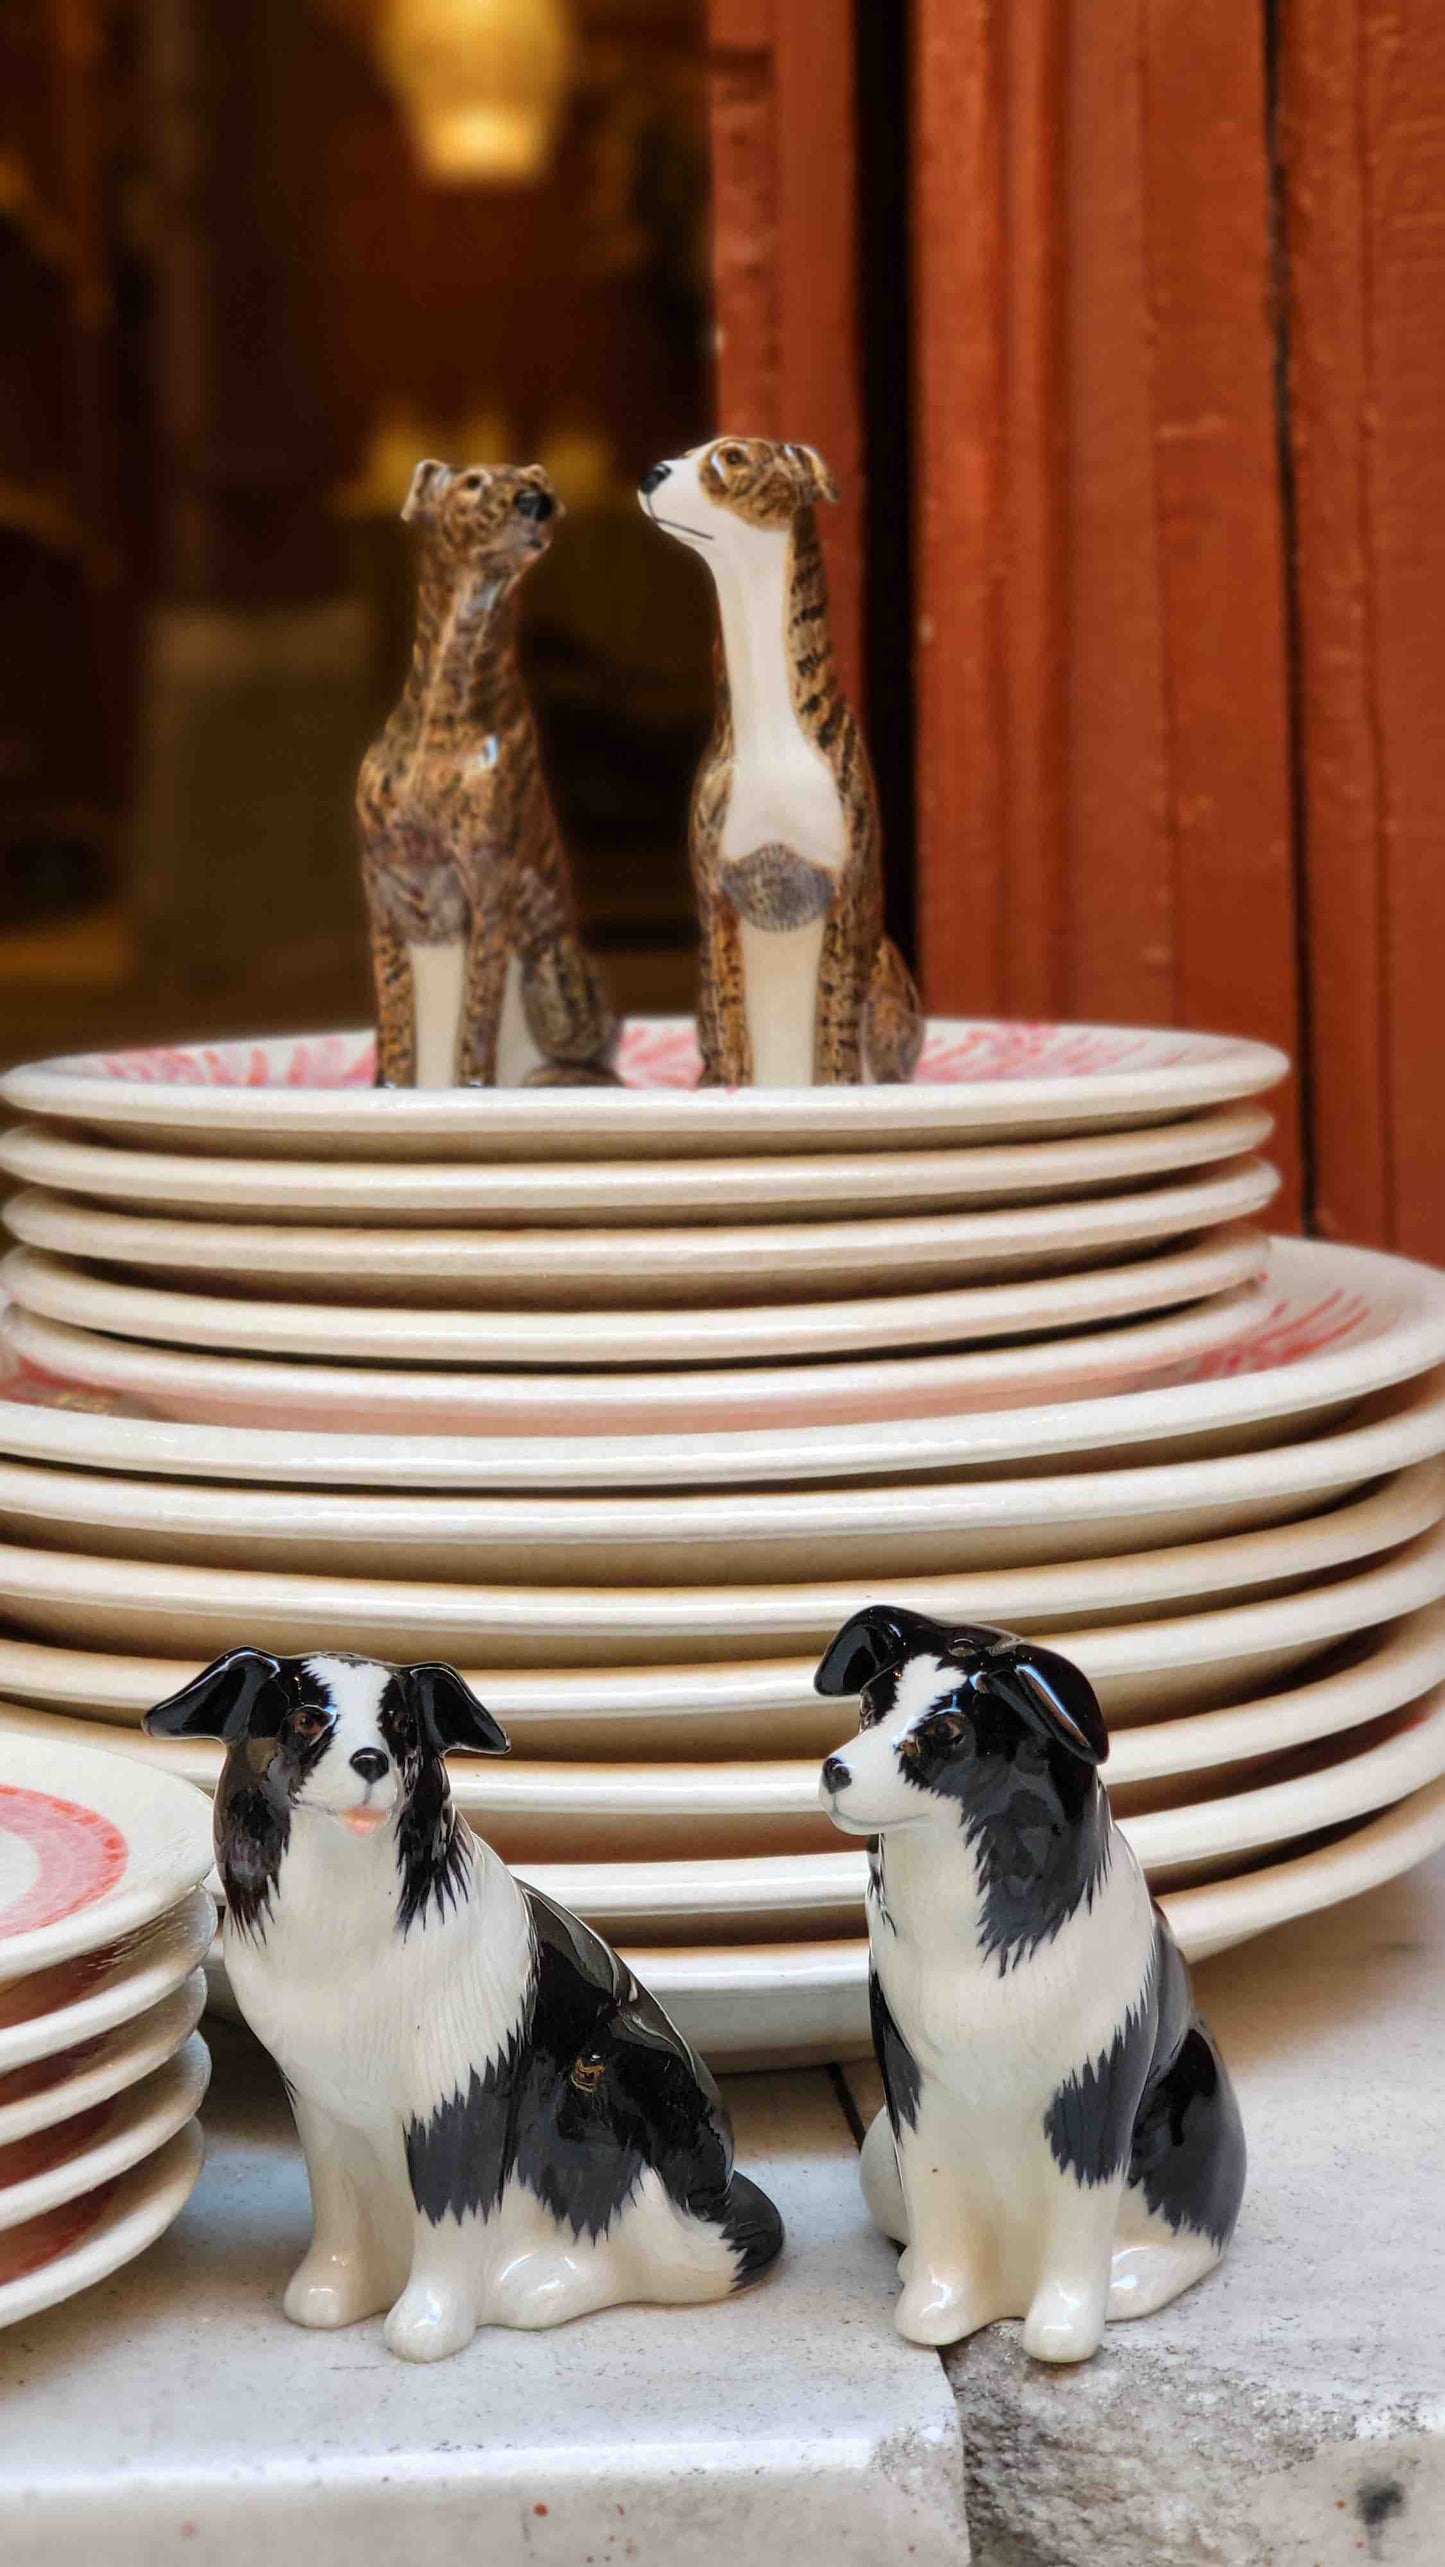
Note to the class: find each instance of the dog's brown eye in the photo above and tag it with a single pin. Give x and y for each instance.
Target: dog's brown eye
(588, 2073)
(307, 1725)
(732, 456)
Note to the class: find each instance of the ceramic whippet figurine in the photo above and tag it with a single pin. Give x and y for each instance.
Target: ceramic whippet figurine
(800, 986)
(481, 979)
(501, 2127)
(1061, 2141)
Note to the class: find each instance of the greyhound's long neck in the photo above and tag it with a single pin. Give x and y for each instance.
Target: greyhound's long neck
(754, 594)
(464, 673)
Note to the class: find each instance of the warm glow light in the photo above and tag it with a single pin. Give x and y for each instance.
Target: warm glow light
(483, 83)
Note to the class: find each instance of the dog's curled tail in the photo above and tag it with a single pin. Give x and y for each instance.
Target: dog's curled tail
(753, 2229)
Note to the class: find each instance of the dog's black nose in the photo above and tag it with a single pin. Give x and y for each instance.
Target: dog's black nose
(369, 1763)
(835, 1773)
(536, 504)
(650, 480)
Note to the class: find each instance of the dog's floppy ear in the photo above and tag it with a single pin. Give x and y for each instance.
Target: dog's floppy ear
(419, 496)
(1053, 1695)
(218, 1703)
(813, 472)
(450, 1713)
(879, 1638)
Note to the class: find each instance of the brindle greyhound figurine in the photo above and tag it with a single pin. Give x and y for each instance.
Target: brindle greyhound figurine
(800, 986)
(481, 979)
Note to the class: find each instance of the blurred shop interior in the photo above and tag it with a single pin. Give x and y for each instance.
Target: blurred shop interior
(256, 258)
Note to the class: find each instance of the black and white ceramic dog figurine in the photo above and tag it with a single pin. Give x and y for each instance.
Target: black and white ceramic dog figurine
(1061, 2141)
(500, 2126)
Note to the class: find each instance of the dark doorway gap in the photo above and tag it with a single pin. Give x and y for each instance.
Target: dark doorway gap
(883, 38)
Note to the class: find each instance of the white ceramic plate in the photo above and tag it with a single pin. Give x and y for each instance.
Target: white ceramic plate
(89, 1850)
(624, 1624)
(716, 1548)
(311, 1095)
(116, 2136)
(702, 1266)
(331, 1334)
(1389, 1667)
(1151, 1660)
(1344, 1322)
(626, 1190)
(642, 1811)
(81, 1999)
(84, 2241)
(1213, 1294)
(56, 2089)
(804, 2002)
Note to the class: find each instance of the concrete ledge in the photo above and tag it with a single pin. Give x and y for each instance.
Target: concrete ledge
(1291, 2411)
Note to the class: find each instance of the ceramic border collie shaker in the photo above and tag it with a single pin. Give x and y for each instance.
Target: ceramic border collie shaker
(481, 979)
(800, 987)
(1061, 2141)
(500, 2126)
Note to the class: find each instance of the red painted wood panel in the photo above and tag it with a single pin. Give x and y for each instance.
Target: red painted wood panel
(1103, 708)
(958, 300)
(1364, 155)
(785, 256)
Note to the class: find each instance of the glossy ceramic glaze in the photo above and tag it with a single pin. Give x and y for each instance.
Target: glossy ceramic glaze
(74, 1595)
(648, 1544)
(1060, 2141)
(707, 1265)
(700, 1803)
(500, 2125)
(74, 2081)
(613, 1191)
(702, 1352)
(89, 1851)
(299, 1095)
(70, 2159)
(1070, 1513)
(78, 2001)
(797, 980)
(80, 2243)
(1344, 1322)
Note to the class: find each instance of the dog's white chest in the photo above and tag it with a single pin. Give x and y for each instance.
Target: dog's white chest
(783, 793)
(1006, 2034)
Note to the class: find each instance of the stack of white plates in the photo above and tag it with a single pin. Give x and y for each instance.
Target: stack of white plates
(103, 1930)
(624, 1401)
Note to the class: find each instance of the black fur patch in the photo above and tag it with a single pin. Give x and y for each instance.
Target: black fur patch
(1160, 2103)
(897, 2066)
(433, 1845)
(261, 1776)
(595, 2089)
(775, 887)
(1033, 1815)
(1090, 2123)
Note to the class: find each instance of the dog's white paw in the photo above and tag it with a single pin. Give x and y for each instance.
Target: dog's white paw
(427, 2325)
(1066, 2324)
(546, 2289)
(333, 2290)
(939, 2308)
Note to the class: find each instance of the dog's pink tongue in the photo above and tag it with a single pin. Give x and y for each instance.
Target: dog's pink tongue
(362, 1822)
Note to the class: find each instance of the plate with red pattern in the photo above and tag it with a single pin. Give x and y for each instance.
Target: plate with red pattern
(90, 1850)
(289, 1095)
(64, 2250)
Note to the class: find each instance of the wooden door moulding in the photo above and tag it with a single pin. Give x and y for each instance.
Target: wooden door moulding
(782, 106)
(1100, 650)
(1362, 136)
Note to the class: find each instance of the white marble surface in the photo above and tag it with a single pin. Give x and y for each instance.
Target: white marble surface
(172, 2415)
(1290, 2412)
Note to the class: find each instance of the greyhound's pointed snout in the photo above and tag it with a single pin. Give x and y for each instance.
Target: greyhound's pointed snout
(658, 472)
(835, 1774)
